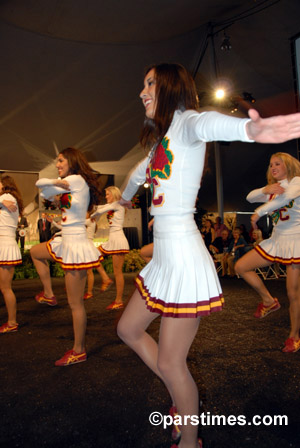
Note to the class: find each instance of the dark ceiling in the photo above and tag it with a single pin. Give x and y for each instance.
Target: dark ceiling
(72, 70)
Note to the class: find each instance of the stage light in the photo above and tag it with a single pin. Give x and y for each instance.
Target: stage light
(226, 45)
(220, 94)
(146, 185)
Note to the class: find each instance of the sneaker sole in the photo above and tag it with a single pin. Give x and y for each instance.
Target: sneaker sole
(70, 363)
(44, 302)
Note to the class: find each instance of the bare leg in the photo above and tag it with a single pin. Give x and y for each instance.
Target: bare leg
(175, 339)
(147, 252)
(90, 281)
(293, 292)
(40, 255)
(131, 329)
(75, 284)
(6, 276)
(118, 261)
(105, 278)
(245, 267)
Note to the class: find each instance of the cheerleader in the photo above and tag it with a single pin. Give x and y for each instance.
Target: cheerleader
(78, 189)
(116, 246)
(281, 199)
(180, 283)
(11, 206)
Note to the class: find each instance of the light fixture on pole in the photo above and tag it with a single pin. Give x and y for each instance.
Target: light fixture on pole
(226, 45)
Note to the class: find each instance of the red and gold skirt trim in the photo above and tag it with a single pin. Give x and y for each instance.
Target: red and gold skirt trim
(182, 310)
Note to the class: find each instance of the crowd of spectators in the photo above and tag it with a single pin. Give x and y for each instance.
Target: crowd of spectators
(226, 245)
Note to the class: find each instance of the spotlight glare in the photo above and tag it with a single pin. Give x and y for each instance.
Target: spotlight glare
(220, 94)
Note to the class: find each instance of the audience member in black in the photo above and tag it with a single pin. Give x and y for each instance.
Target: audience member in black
(237, 248)
(220, 245)
(208, 233)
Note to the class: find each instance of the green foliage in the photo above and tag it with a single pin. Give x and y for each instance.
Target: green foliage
(132, 263)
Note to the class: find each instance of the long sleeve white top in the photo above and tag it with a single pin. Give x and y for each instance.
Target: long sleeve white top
(73, 202)
(284, 208)
(176, 169)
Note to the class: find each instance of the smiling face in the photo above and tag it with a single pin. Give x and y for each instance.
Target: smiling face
(62, 166)
(277, 168)
(148, 94)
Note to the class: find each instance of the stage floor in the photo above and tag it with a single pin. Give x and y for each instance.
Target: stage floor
(105, 402)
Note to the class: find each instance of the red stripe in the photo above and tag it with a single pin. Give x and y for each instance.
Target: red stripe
(275, 259)
(161, 307)
(113, 252)
(73, 266)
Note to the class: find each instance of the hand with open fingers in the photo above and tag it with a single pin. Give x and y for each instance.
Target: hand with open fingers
(276, 129)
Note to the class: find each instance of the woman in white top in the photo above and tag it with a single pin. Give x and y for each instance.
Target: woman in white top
(180, 283)
(78, 188)
(117, 245)
(11, 206)
(281, 197)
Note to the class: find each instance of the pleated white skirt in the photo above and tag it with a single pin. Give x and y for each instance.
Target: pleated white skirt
(181, 279)
(116, 244)
(281, 248)
(74, 251)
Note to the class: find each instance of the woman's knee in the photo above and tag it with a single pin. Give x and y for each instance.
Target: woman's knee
(124, 331)
(239, 267)
(170, 367)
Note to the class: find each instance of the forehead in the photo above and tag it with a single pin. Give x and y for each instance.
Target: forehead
(61, 157)
(150, 74)
(275, 159)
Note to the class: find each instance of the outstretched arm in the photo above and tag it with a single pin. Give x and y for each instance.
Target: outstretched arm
(277, 129)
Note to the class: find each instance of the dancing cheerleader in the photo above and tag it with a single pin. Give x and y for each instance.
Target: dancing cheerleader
(281, 197)
(116, 246)
(11, 206)
(78, 189)
(180, 283)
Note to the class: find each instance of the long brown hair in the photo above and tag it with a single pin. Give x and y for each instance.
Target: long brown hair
(175, 89)
(291, 164)
(10, 186)
(79, 165)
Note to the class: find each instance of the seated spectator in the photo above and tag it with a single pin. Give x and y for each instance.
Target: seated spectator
(220, 245)
(219, 227)
(208, 232)
(237, 247)
(257, 237)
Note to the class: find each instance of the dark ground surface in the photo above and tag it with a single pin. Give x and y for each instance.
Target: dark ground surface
(235, 359)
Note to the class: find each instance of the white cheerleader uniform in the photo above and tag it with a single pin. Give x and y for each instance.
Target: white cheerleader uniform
(181, 279)
(73, 250)
(10, 254)
(117, 242)
(284, 244)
